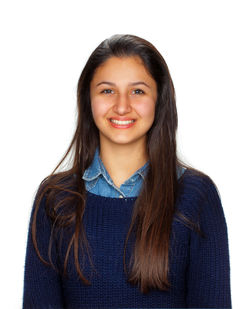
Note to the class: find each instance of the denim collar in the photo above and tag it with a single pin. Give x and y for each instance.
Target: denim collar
(97, 168)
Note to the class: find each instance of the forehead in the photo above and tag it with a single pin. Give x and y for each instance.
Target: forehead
(119, 67)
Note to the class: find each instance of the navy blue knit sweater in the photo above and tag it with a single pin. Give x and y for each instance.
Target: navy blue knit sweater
(199, 266)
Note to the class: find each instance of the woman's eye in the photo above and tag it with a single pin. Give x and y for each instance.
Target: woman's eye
(107, 91)
(139, 91)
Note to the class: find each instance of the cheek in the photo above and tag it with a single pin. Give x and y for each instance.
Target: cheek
(99, 107)
(146, 109)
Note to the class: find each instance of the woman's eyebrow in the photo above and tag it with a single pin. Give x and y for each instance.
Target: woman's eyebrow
(130, 84)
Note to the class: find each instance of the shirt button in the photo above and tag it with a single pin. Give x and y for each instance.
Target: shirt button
(120, 196)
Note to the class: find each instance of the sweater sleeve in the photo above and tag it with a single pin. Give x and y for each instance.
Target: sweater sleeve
(42, 286)
(208, 273)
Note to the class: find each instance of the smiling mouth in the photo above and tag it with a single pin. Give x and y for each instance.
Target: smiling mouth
(121, 122)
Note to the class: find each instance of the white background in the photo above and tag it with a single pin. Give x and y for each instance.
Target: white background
(44, 47)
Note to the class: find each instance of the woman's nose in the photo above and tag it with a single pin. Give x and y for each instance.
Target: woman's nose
(122, 105)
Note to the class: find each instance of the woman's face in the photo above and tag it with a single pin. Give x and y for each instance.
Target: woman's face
(123, 98)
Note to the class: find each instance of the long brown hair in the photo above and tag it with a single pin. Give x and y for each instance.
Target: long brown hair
(154, 208)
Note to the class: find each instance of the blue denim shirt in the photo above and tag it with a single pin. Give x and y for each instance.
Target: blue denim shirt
(98, 181)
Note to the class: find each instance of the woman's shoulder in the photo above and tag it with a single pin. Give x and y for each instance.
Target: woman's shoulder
(51, 189)
(194, 181)
(196, 191)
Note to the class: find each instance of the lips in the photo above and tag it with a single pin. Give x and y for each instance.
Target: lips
(122, 124)
(121, 118)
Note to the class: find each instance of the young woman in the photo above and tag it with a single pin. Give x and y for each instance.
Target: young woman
(128, 225)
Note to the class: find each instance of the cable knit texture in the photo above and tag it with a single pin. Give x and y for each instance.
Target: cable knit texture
(199, 266)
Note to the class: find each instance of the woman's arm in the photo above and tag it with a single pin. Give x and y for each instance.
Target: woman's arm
(42, 286)
(208, 275)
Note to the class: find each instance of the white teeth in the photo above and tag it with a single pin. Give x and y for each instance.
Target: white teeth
(121, 122)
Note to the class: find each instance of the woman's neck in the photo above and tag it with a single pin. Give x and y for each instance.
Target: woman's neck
(122, 161)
